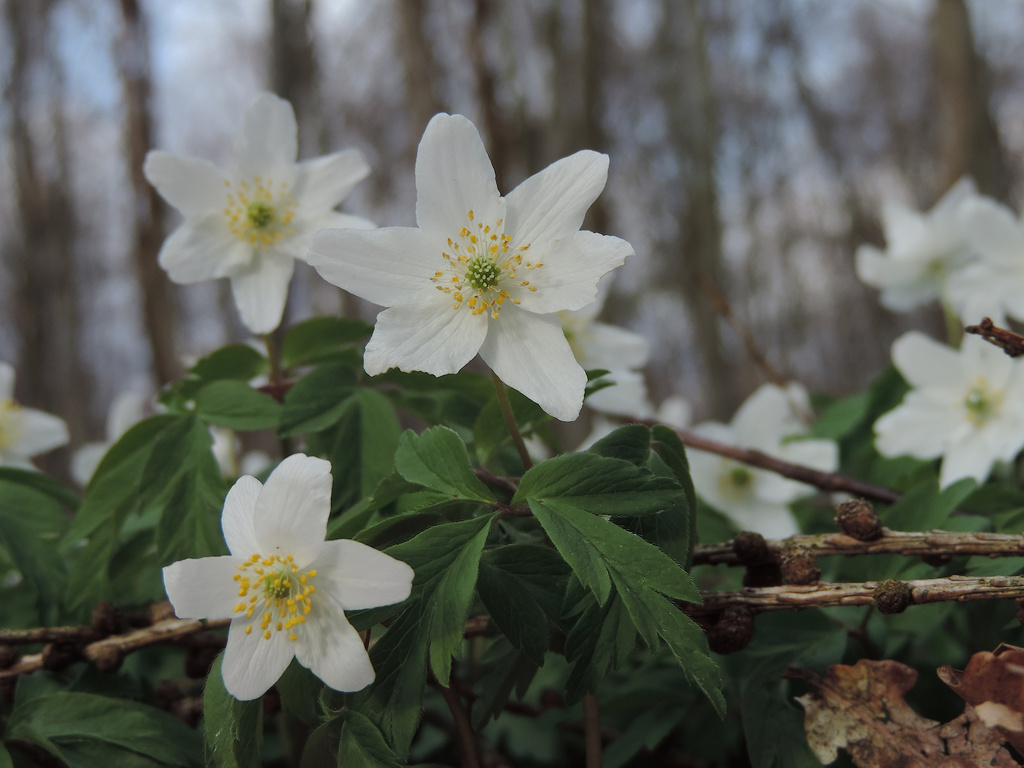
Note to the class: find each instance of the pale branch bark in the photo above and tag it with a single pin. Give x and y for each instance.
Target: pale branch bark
(909, 544)
(799, 597)
(826, 481)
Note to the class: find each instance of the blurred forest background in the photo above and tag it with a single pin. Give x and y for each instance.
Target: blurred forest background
(751, 145)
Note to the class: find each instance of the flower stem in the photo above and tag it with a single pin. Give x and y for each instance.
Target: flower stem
(592, 730)
(467, 739)
(510, 420)
(954, 330)
(276, 376)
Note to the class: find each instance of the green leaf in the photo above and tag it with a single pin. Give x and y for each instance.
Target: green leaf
(841, 418)
(30, 523)
(361, 447)
(321, 338)
(445, 559)
(5, 758)
(437, 459)
(521, 585)
(318, 400)
(42, 483)
(490, 431)
(362, 744)
(925, 507)
(236, 405)
(773, 727)
(630, 443)
(182, 486)
(300, 691)
(601, 638)
(233, 729)
(235, 361)
(89, 731)
(504, 669)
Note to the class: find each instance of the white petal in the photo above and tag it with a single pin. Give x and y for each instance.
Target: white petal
(924, 362)
(627, 398)
(6, 381)
(600, 345)
(239, 515)
(322, 183)
(335, 220)
(358, 576)
(773, 521)
(8, 459)
(904, 228)
(992, 229)
(85, 460)
(550, 205)
(125, 412)
(261, 291)
(253, 663)
(571, 271)
(531, 354)
(386, 266)
(291, 512)
(329, 647)
(203, 250)
(972, 456)
(203, 588)
(955, 197)
(192, 185)
(764, 419)
(39, 432)
(425, 335)
(454, 176)
(921, 427)
(268, 144)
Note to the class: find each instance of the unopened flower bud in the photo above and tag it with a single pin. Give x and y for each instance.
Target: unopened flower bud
(800, 568)
(858, 519)
(733, 631)
(893, 596)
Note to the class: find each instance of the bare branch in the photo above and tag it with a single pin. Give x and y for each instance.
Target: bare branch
(930, 543)
(799, 597)
(1011, 343)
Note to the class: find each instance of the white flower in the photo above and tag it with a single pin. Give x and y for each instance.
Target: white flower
(994, 283)
(755, 499)
(616, 350)
(127, 410)
(284, 588)
(248, 224)
(966, 406)
(481, 273)
(25, 432)
(922, 250)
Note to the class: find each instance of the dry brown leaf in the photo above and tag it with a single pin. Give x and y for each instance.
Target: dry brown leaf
(861, 709)
(993, 684)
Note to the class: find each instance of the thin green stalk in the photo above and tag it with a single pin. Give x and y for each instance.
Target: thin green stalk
(510, 420)
(954, 330)
(276, 376)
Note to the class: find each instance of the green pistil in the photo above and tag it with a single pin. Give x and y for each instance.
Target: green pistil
(260, 213)
(741, 478)
(979, 405)
(277, 585)
(482, 273)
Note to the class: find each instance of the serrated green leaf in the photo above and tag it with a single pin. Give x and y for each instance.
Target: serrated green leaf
(925, 507)
(236, 405)
(445, 559)
(318, 400)
(87, 731)
(840, 418)
(300, 690)
(233, 729)
(437, 459)
(772, 726)
(504, 670)
(521, 585)
(235, 361)
(600, 639)
(320, 338)
(630, 443)
(598, 485)
(362, 744)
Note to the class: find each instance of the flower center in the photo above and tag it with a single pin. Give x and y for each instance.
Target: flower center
(277, 593)
(10, 418)
(736, 483)
(258, 212)
(980, 403)
(482, 270)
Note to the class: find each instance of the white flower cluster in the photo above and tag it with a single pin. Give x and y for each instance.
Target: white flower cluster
(966, 405)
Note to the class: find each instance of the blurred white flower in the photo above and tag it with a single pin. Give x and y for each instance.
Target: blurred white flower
(127, 410)
(922, 250)
(25, 432)
(481, 273)
(966, 405)
(249, 224)
(673, 412)
(755, 499)
(284, 588)
(616, 350)
(995, 282)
